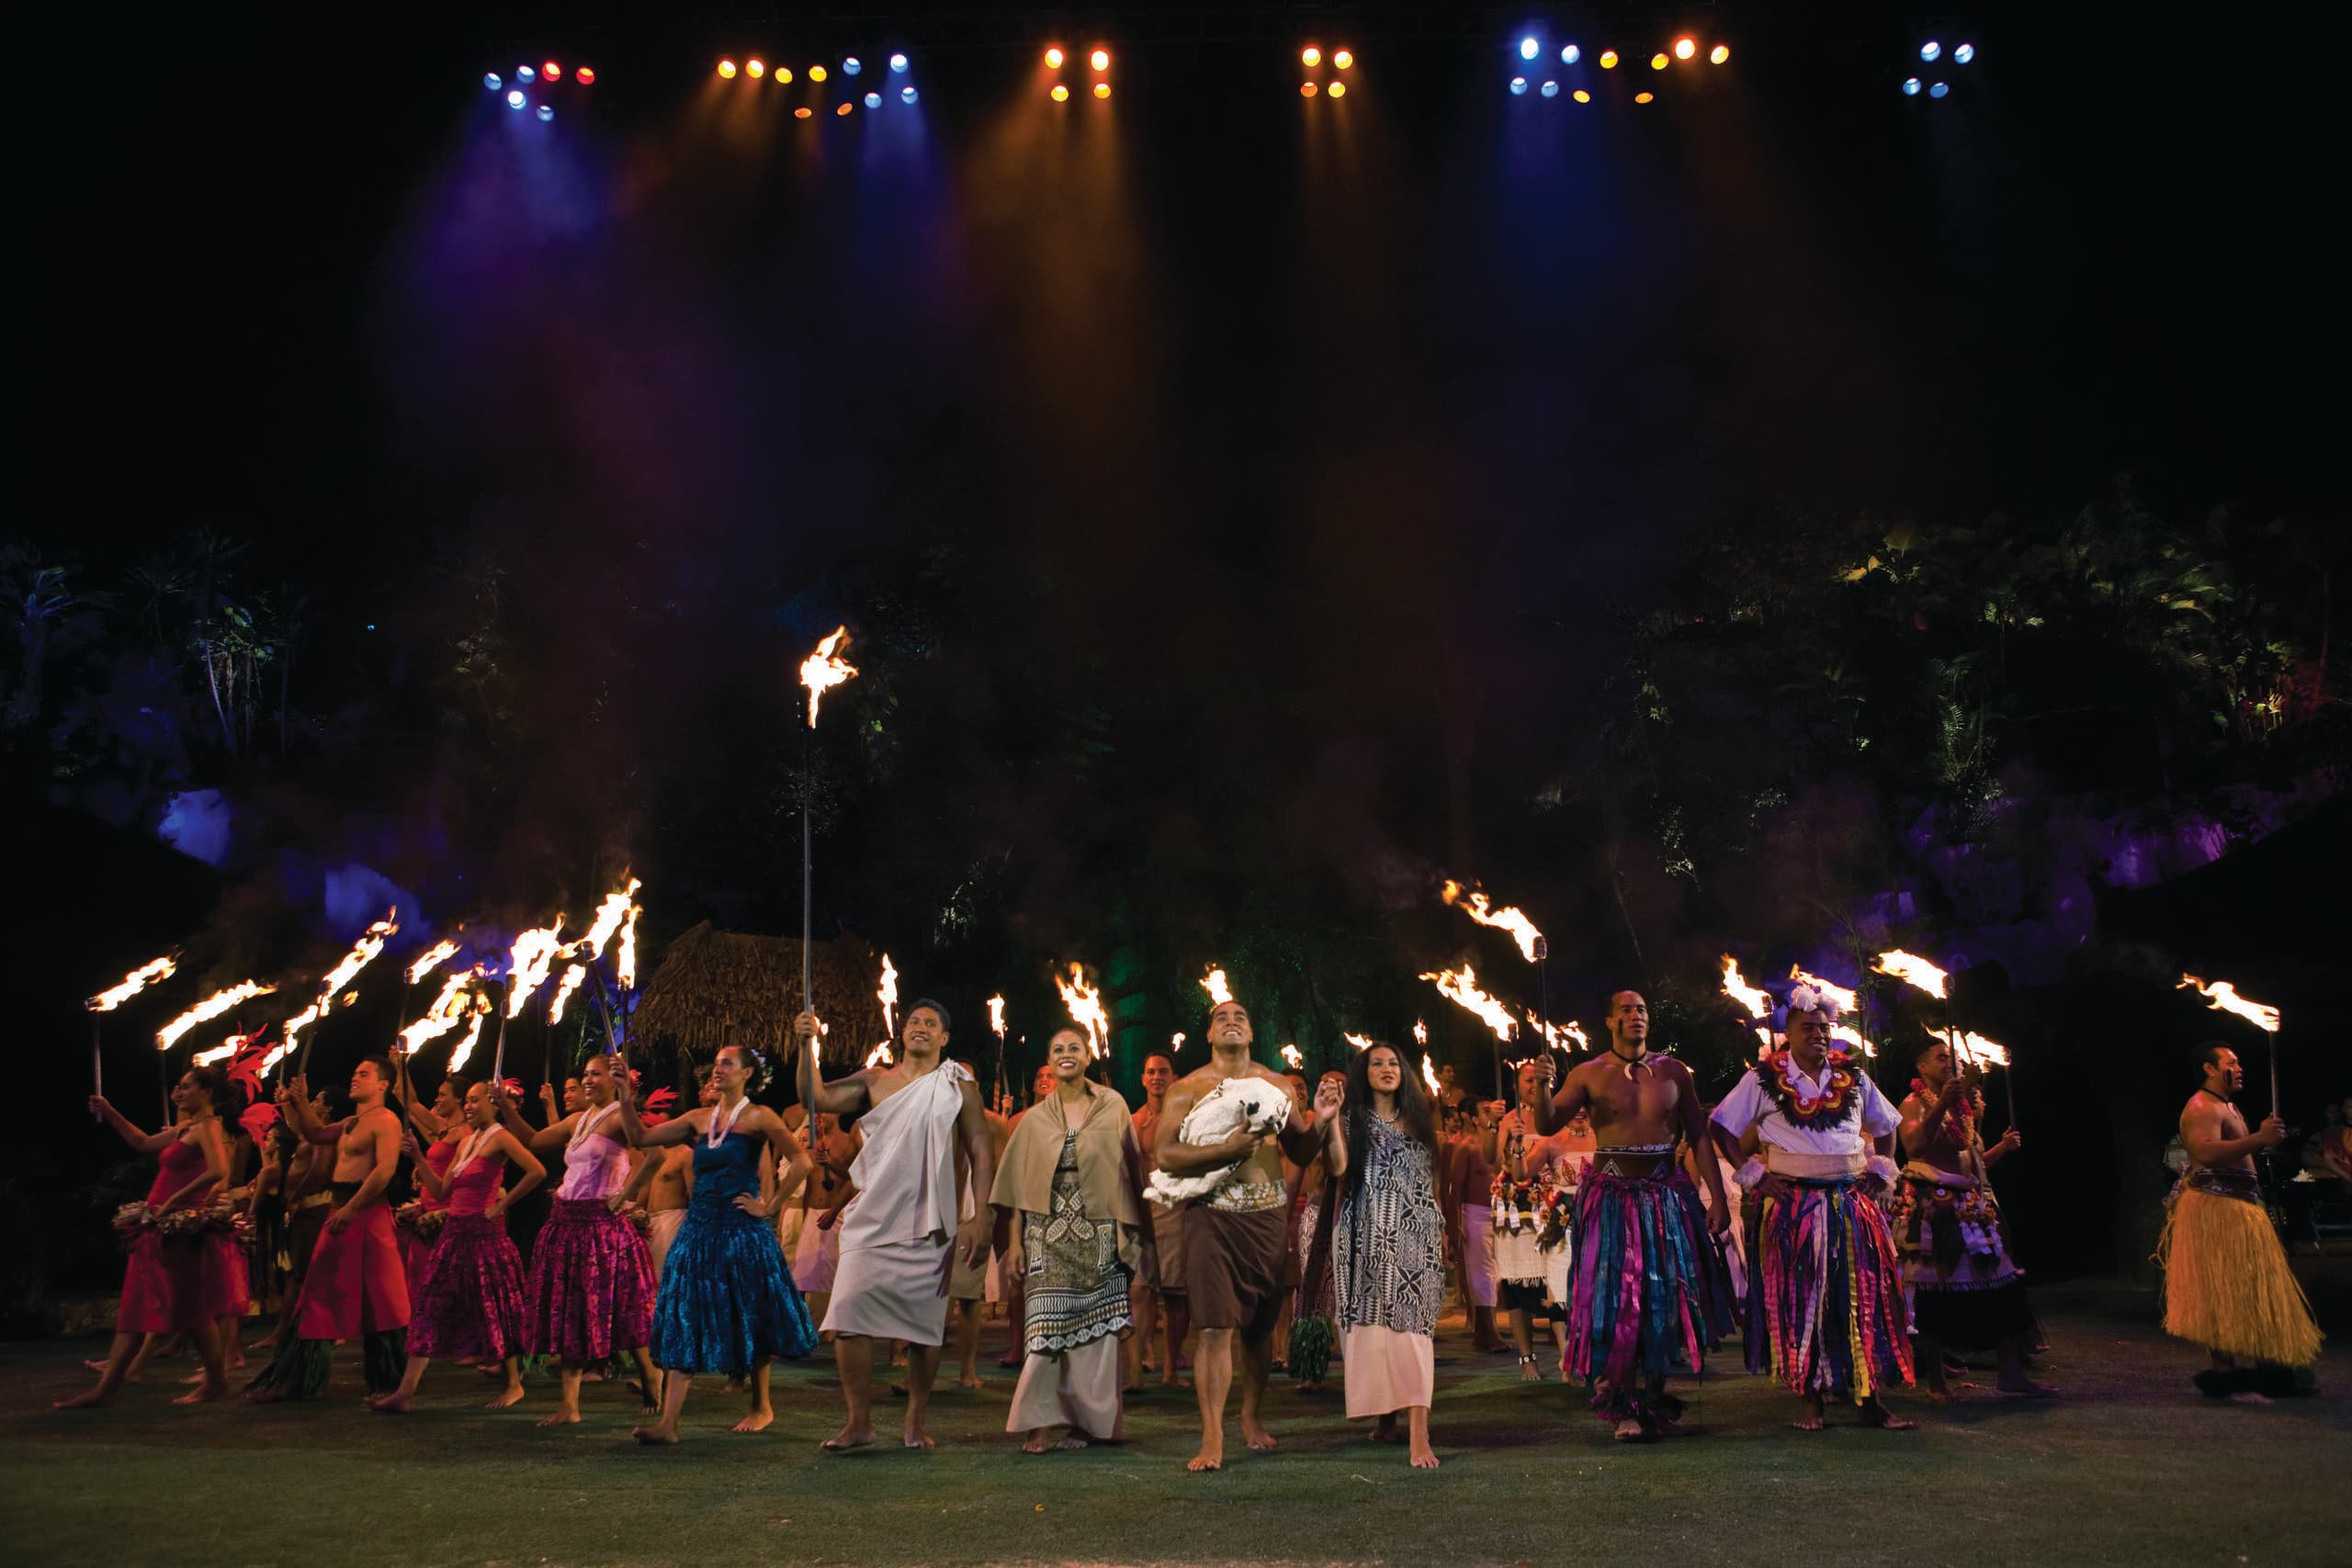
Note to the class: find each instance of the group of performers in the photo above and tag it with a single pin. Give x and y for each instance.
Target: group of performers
(1234, 1204)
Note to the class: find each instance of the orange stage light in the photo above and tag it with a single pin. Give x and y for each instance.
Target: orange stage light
(1685, 48)
(1102, 89)
(803, 112)
(1644, 97)
(1061, 93)
(1307, 89)
(784, 73)
(1100, 59)
(845, 108)
(1657, 62)
(1053, 58)
(1310, 57)
(727, 69)
(1338, 89)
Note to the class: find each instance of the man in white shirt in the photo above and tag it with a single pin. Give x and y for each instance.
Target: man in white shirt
(1825, 1300)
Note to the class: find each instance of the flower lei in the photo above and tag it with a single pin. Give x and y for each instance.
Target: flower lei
(1776, 1073)
(1559, 1214)
(1959, 1124)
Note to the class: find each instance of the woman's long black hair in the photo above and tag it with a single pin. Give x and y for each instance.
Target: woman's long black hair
(1415, 1117)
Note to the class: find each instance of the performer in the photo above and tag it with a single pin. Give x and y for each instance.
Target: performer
(663, 1182)
(1825, 1293)
(1531, 1174)
(1465, 1185)
(1647, 1280)
(2227, 1283)
(590, 1290)
(441, 1128)
(354, 1288)
(726, 1304)
(1069, 1194)
(179, 1281)
(1966, 1293)
(1164, 1295)
(1312, 1332)
(469, 1301)
(901, 1236)
(305, 1197)
(817, 1246)
(1234, 1239)
(968, 1283)
(1388, 1244)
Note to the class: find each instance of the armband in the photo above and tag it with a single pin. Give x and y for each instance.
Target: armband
(1884, 1171)
(1748, 1175)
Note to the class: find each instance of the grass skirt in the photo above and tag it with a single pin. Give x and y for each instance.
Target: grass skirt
(2227, 1285)
(1825, 1299)
(470, 1293)
(1647, 1287)
(727, 1304)
(590, 1293)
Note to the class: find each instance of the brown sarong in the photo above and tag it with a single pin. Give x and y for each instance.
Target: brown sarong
(1233, 1268)
(1168, 1244)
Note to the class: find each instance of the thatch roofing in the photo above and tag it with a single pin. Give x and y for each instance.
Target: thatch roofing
(717, 988)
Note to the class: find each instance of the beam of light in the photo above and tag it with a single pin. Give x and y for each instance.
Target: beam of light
(1084, 1003)
(1522, 929)
(207, 1009)
(1609, 60)
(1461, 987)
(1718, 54)
(1213, 984)
(514, 97)
(1102, 89)
(1053, 58)
(907, 94)
(138, 980)
(432, 958)
(899, 64)
(1570, 54)
(2224, 998)
(825, 669)
(1684, 48)
(755, 68)
(1060, 94)
(1913, 970)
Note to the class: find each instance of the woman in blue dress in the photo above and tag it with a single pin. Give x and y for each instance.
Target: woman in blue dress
(727, 1304)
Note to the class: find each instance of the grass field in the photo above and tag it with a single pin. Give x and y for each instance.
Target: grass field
(2130, 1467)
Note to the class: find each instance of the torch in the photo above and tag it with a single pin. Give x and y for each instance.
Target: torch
(820, 672)
(2222, 997)
(996, 1024)
(138, 980)
(362, 954)
(1530, 943)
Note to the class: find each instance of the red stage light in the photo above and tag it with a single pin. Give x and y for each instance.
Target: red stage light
(844, 109)
(1307, 89)
(552, 72)
(803, 112)
(587, 76)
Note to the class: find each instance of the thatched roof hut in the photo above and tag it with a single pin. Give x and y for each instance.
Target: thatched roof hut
(716, 987)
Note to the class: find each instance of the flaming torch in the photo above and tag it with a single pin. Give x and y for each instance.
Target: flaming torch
(1421, 1033)
(1429, 1076)
(573, 974)
(2222, 997)
(363, 953)
(1363, 1042)
(1758, 1002)
(1176, 1042)
(464, 1049)
(432, 958)
(1475, 905)
(138, 980)
(879, 1057)
(1913, 970)
(207, 1009)
(995, 1026)
(1297, 1063)
(887, 993)
(1461, 987)
(1085, 1005)
(448, 1009)
(1213, 984)
(820, 672)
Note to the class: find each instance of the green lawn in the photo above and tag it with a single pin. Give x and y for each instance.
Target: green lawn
(2130, 1467)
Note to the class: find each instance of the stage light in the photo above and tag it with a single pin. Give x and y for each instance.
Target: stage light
(844, 109)
(727, 69)
(1609, 60)
(525, 73)
(1343, 60)
(1718, 54)
(546, 112)
(1657, 62)
(1685, 48)
(907, 94)
(1061, 93)
(1581, 95)
(493, 80)
(1310, 57)
(782, 73)
(803, 112)
(1570, 54)
(816, 73)
(851, 66)
(584, 77)
(1938, 90)
(1911, 86)
(1052, 60)
(1965, 53)
(1529, 49)
(1551, 89)
(1518, 85)
(515, 98)
(1102, 89)
(1307, 89)
(1931, 50)
(755, 69)
(1338, 89)
(899, 64)
(552, 71)
(1644, 97)
(1100, 59)
(873, 100)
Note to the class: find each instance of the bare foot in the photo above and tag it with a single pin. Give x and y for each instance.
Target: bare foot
(1211, 1457)
(1258, 1437)
(1877, 1414)
(916, 1441)
(96, 1399)
(506, 1396)
(263, 1396)
(205, 1393)
(561, 1418)
(2029, 1388)
(1631, 1430)
(970, 1380)
(757, 1421)
(1073, 1442)
(1529, 1372)
(1810, 1424)
(389, 1405)
(2247, 1396)
(1423, 1458)
(848, 1438)
(1036, 1443)
(652, 1435)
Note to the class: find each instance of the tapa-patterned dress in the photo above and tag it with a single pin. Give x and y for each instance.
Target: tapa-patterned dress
(1074, 1308)
(1388, 1274)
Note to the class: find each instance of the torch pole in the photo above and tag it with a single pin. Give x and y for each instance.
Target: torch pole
(808, 878)
(2273, 1036)
(498, 1047)
(603, 1008)
(98, 1070)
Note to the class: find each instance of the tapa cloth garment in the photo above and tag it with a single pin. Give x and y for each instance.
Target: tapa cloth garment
(2227, 1283)
(1168, 1245)
(726, 1302)
(1647, 1285)
(1964, 1290)
(1385, 1372)
(1389, 1238)
(1074, 1288)
(1075, 1388)
(1233, 1268)
(591, 1288)
(660, 1230)
(1825, 1293)
(898, 1234)
(1478, 1255)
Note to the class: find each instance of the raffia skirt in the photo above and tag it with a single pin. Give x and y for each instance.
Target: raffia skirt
(2227, 1285)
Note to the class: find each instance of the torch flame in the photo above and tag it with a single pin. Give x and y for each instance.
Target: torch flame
(448, 1009)
(824, 670)
(879, 1057)
(465, 1048)
(227, 1048)
(1846, 1034)
(432, 958)
(1461, 986)
(1522, 929)
(1911, 970)
(1429, 1075)
(1213, 984)
(996, 1016)
(2224, 998)
(138, 980)
(625, 957)
(533, 955)
(1085, 1005)
(887, 994)
(573, 974)
(363, 953)
(1291, 1055)
(1758, 1002)
(1968, 1046)
(1838, 996)
(1562, 1036)
(210, 1008)
(1176, 1041)
(612, 914)
(1420, 1033)
(1361, 1042)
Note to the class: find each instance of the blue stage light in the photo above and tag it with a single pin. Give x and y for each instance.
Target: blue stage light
(515, 98)
(873, 100)
(1938, 90)
(1518, 85)
(1551, 89)
(850, 67)
(1965, 53)
(1910, 86)
(906, 94)
(525, 73)
(546, 112)
(899, 63)
(492, 80)
(1931, 50)
(1570, 54)
(1528, 48)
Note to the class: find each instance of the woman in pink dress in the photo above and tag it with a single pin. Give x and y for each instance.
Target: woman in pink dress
(182, 1277)
(441, 1127)
(468, 1297)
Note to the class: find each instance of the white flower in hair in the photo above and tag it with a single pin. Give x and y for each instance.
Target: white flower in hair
(1804, 999)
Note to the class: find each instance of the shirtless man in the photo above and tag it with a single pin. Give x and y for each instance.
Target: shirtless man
(1466, 1189)
(354, 1288)
(1523, 1185)
(901, 1237)
(1166, 1230)
(817, 1249)
(663, 1184)
(2227, 1285)
(1234, 1239)
(1633, 1195)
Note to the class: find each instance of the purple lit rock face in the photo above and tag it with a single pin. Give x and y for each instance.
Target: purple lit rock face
(199, 824)
(355, 897)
